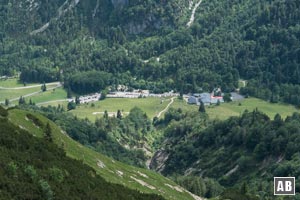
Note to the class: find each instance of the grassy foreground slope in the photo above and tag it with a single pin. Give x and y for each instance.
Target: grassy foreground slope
(113, 171)
(35, 168)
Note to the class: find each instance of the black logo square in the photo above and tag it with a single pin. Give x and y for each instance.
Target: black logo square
(284, 185)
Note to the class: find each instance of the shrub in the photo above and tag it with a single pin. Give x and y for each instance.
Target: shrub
(3, 112)
(35, 120)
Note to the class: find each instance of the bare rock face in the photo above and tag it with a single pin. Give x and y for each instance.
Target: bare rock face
(119, 3)
(139, 27)
(158, 160)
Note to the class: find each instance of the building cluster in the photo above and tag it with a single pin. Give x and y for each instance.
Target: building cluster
(206, 98)
(123, 94)
(166, 94)
(139, 94)
(127, 94)
(89, 98)
(212, 98)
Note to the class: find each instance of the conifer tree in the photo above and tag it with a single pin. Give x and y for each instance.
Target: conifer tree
(6, 102)
(48, 133)
(77, 101)
(202, 107)
(21, 100)
(105, 116)
(43, 87)
(119, 114)
(69, 94)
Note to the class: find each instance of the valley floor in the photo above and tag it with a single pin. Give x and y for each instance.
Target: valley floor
(55, 95)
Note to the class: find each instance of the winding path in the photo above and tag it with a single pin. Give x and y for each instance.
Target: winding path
(193, 14)
(164, 110)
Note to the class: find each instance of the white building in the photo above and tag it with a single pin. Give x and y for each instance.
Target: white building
(89, 98)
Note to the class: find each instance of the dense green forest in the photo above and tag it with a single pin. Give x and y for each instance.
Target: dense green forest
(146, 44)
(250, 149)
(36, 168)
(91, 45)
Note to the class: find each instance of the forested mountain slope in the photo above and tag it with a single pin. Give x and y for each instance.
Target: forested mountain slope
(182, 45)
(36, 168)
(147, 44)
(250, 149)
(112, 171)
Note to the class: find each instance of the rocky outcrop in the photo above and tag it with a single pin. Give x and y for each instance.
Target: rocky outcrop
(133, 18)
(158, 161)
(62, 10)
(150, 22)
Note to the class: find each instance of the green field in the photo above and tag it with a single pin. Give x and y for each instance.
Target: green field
(12, 94)
(113, 171)
(151, 106)
(12, 83)
(242, 83)
(50, 95)
(18, 89)
(225, 110)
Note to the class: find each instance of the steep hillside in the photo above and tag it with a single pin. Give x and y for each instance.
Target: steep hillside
(36, 168)
(113, 171)
(134, 17)
(250, 149)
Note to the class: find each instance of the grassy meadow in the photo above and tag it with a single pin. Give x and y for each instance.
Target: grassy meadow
(50, 95)
(15, 94)
(13, 82)
(151, 106)
(225, 110)
(18, 89)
